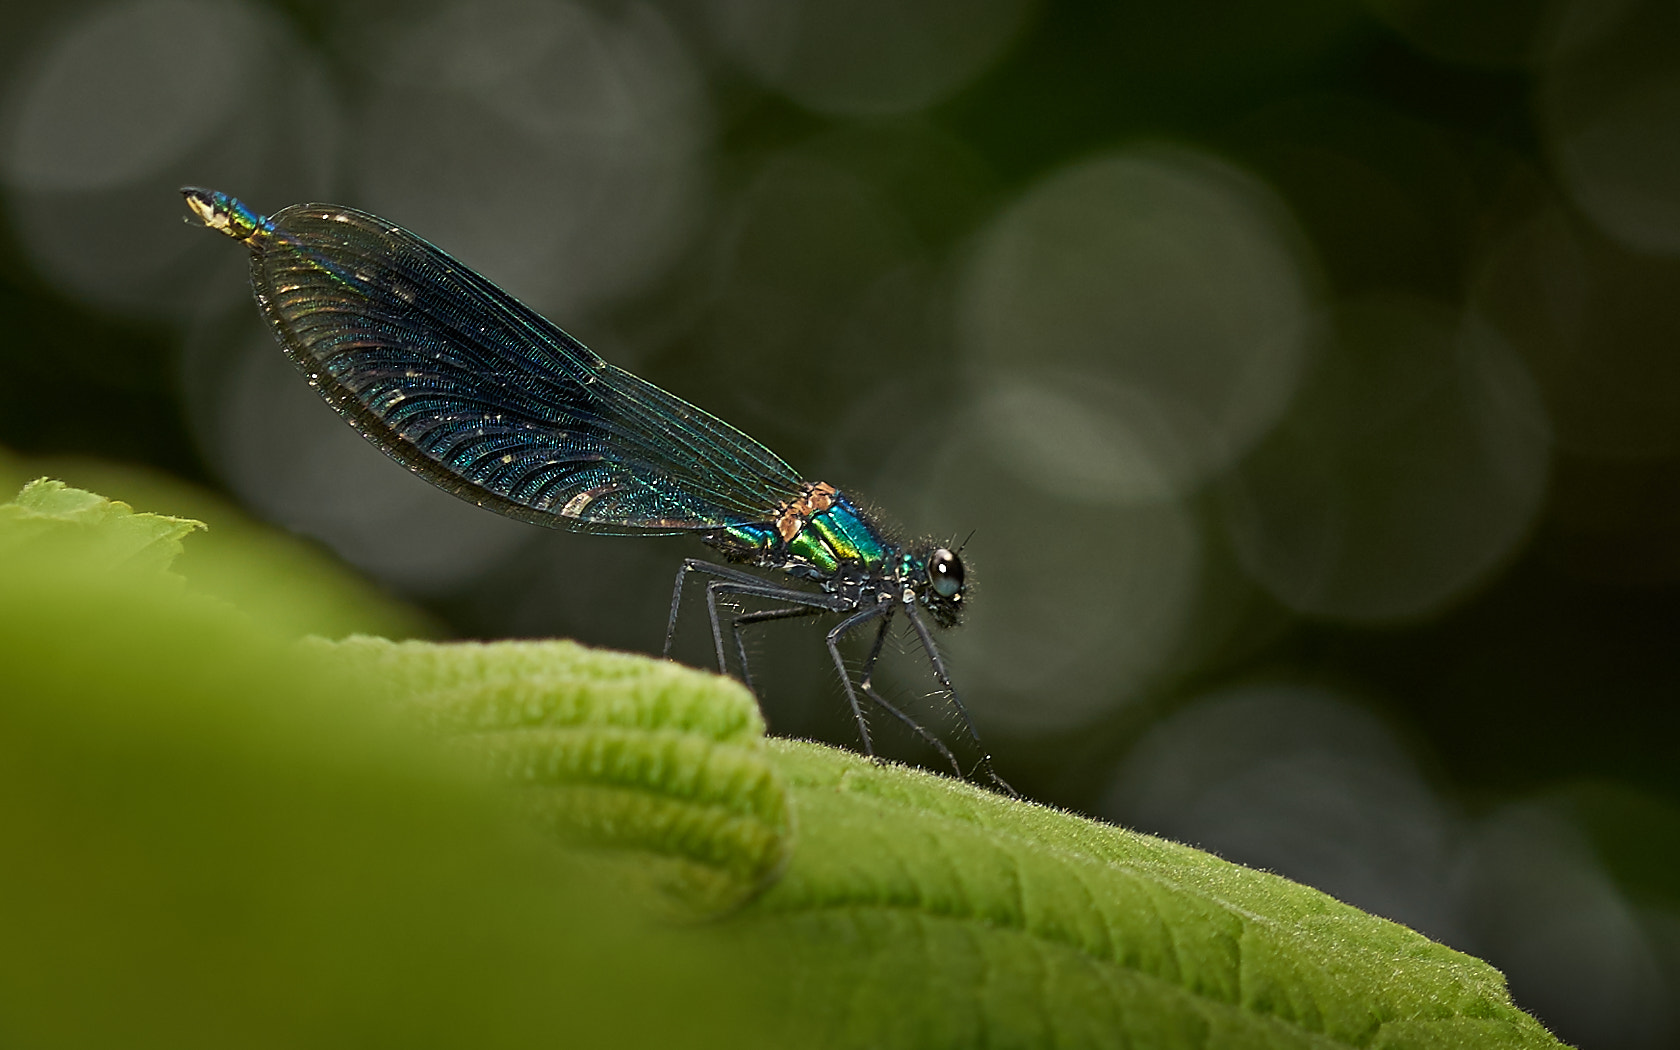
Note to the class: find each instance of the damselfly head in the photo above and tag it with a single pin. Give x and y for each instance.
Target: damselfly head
(943, 590)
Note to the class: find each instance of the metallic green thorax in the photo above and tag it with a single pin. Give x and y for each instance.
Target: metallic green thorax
(830, 539)
(839, 533)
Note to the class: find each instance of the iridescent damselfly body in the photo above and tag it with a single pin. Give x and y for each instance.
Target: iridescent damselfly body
(478, 394)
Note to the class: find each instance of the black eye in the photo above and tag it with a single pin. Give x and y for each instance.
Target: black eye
(945, 573)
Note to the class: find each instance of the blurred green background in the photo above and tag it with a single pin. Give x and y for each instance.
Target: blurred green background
(1308, 373)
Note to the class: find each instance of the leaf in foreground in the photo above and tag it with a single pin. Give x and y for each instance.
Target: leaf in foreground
(214, 839)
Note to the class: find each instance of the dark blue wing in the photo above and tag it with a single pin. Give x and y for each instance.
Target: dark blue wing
(478, 394)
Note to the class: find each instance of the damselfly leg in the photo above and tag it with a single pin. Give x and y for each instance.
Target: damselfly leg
(844, 627)
(866, 682)
(762, 616)
(938, 664)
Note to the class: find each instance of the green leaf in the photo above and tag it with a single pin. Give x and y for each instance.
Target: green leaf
(648, 763)
(911, 910)
(973, 919)
(215, 838)
(212, 839)
(104, 534)
(297, 587)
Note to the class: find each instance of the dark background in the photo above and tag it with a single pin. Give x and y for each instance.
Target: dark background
(1309, 376)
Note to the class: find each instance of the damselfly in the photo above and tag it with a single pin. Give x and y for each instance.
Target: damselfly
(473, 391)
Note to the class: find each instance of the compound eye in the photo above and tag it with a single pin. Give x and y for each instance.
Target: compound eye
(945, 573)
